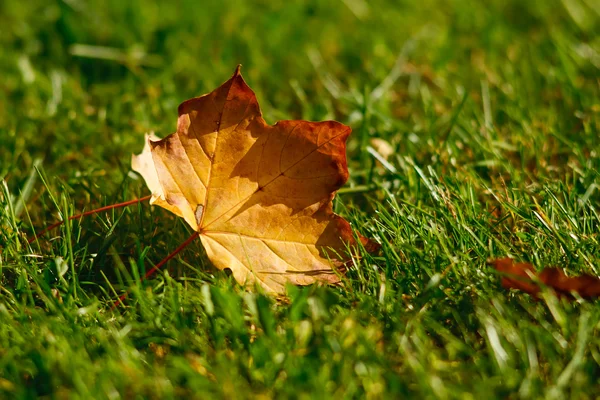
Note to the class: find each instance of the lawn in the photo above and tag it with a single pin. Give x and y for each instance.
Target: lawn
(491, 110)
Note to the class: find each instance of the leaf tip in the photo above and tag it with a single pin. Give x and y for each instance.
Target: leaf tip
(238, 70)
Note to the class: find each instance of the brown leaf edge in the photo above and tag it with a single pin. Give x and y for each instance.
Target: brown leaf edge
(522, 276)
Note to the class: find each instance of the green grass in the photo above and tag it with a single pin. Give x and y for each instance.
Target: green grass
(492, 109)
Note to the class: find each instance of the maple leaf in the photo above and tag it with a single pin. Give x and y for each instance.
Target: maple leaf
(523, 276)
(259, 196)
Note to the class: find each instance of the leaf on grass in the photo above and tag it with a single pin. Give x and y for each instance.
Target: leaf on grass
(260, 196)
(523, 276)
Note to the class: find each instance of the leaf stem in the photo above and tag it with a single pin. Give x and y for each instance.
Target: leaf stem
(159, 265)
(97, 210)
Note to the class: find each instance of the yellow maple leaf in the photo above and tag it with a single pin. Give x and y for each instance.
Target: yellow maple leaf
(260, 196)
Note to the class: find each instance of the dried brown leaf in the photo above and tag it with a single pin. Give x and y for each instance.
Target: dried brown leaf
(523, 276)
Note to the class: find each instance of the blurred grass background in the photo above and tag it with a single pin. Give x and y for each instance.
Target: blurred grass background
(492, 113)
(92, 77)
